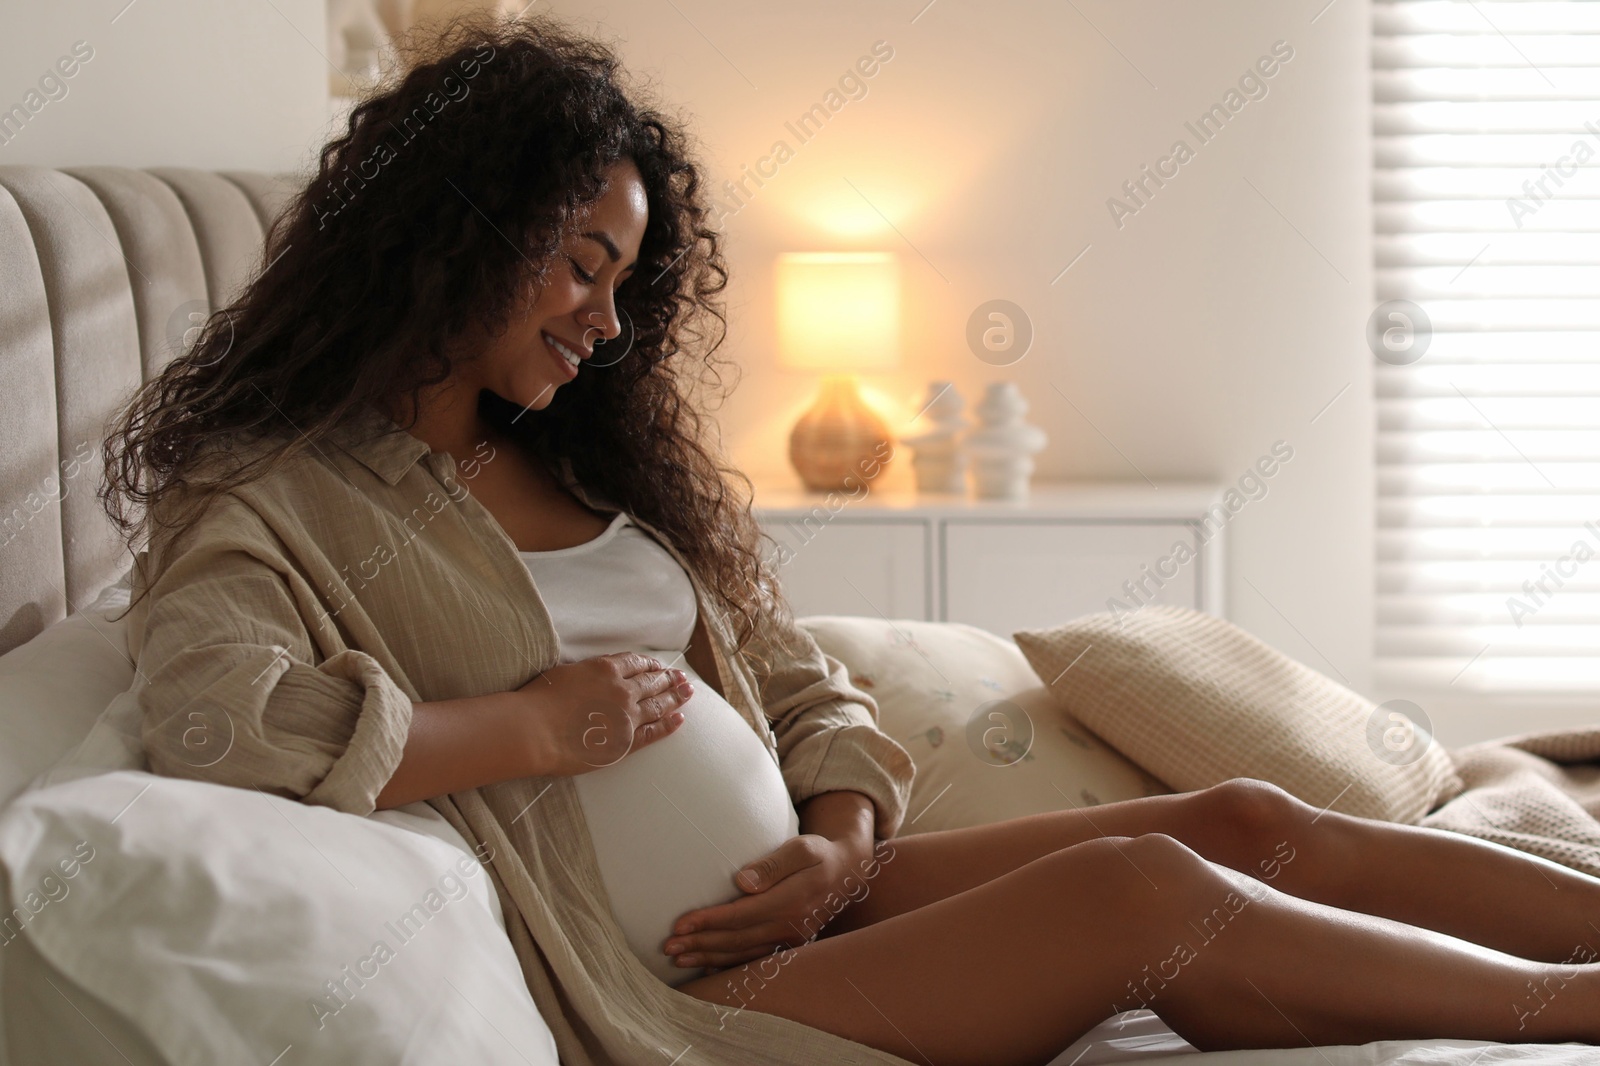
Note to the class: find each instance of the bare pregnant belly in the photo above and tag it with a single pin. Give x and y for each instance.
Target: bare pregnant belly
(672, 823)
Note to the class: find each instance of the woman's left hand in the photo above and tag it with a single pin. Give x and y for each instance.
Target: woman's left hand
(791, 893)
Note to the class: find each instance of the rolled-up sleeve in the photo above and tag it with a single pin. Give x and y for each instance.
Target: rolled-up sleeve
(827, 729)
(234, 690)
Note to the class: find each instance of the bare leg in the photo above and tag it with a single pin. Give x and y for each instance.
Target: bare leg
(1448, 882)
(1015, 969)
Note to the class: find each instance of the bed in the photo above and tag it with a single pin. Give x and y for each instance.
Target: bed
(200, 924)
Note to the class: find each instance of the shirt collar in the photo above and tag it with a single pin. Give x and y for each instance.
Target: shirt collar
(382, 446)
(378, 443)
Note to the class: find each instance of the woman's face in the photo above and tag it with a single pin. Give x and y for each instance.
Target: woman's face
(576, 307)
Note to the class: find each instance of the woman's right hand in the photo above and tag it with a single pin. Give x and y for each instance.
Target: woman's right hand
(591, 713)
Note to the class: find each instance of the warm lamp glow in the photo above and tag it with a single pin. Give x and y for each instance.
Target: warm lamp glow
(838, 311)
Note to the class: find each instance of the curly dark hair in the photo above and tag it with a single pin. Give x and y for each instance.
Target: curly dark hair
(368, 277)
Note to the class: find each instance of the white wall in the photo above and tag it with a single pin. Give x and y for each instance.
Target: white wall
(203, 83)
(1216, 321)
(1205, 329)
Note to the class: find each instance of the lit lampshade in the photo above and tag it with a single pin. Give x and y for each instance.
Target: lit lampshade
(838, 313)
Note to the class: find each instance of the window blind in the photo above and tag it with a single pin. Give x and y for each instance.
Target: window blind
(1486, 122)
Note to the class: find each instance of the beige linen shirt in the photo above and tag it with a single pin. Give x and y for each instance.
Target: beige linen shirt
(286, 635)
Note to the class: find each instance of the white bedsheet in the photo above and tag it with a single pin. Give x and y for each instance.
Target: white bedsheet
(1140, 1036)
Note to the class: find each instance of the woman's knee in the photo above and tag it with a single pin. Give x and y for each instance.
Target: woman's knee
(1257, 809)
(1116, 906)
(1259, 829)
(1149, 870)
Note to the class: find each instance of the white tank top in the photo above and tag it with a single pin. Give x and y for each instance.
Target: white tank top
(673, 822)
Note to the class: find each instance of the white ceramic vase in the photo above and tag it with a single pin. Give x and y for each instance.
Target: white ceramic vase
(937, 458)
(1002, 447)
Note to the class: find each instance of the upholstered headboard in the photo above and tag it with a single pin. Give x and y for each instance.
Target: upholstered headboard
(102, 270)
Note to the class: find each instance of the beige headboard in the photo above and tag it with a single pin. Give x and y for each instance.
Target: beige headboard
(102, 269)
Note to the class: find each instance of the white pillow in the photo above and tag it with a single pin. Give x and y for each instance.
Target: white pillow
(988, 740)
(69, 710)
(54, 687)
(228, 925)
(112, 739)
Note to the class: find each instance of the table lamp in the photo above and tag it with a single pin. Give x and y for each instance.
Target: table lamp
(838, 313)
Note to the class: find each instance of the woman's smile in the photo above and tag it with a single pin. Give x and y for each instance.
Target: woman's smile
(564, 354)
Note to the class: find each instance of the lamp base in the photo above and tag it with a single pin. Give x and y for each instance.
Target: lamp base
(839, 439)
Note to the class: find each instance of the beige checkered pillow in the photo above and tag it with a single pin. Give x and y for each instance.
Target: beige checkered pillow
(1196, 700)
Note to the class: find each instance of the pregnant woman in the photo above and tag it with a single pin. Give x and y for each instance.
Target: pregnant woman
(433, 517)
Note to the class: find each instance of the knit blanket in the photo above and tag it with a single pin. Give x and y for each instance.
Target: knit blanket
(1537, 792)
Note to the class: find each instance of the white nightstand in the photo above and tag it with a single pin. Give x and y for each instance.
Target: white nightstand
(1066, 551)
